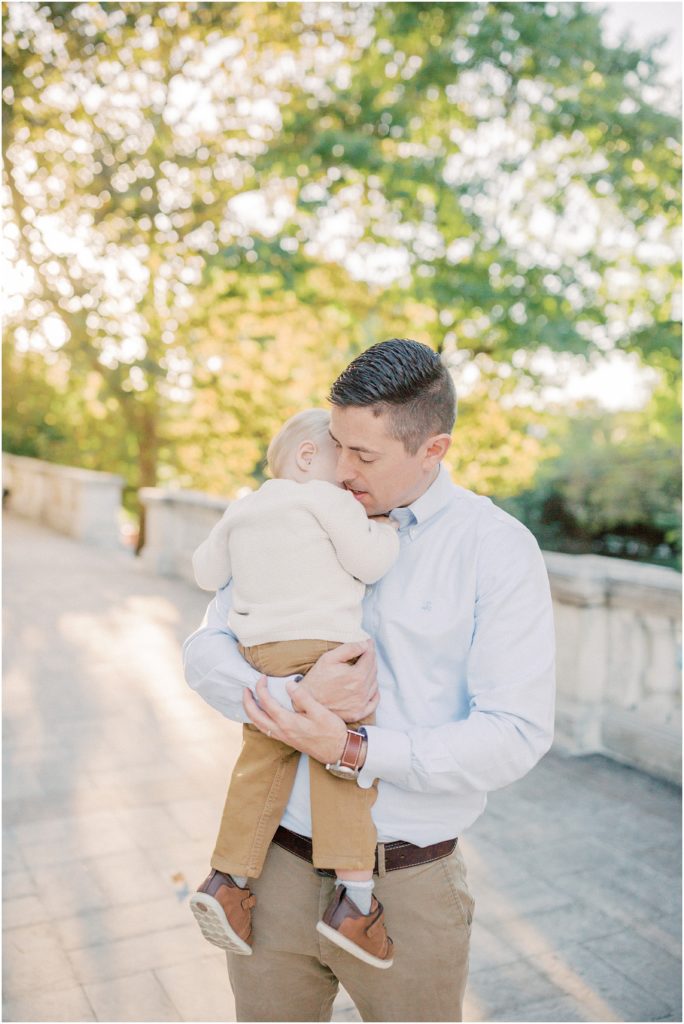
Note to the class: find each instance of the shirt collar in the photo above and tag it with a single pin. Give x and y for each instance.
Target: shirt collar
(429, 503)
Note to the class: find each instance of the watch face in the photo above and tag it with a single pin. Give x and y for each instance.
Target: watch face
(341, 772)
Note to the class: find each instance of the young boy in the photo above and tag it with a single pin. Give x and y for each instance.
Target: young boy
(300, 551)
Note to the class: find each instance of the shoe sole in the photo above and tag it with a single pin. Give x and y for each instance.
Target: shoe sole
(211, 918)
(351, 947)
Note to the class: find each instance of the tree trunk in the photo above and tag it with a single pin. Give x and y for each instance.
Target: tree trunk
(148, 453)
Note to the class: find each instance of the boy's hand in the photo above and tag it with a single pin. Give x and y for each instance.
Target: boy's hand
(350, 691)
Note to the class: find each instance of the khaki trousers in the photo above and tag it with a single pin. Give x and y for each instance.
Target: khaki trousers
(293, 972)
(344, 835)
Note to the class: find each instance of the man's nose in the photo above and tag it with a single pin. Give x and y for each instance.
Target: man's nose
(342, 472)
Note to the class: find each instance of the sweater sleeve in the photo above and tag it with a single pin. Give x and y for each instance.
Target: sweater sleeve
(211, 560)
(366, 549)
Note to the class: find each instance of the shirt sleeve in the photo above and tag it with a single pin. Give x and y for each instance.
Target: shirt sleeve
(364, 548)
(215, 669)
(211, 560)
(511, 687)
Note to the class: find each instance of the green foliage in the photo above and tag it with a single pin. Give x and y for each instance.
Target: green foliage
(48, 415)
(497, 447)
(613, 489)
(214, 206)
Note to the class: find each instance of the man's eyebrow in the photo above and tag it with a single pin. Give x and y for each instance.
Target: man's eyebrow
(355, 447)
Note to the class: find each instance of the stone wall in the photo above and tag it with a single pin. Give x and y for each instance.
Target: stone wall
(176, 522)
(618, 638)
(84, 504)
(618, 623)
(618, 632)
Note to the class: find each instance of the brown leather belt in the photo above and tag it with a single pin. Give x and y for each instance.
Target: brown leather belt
(391, 856)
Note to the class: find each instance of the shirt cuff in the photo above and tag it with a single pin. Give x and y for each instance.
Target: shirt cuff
(277, 689)
(388, 757)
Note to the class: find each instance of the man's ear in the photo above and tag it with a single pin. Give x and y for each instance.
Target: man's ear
(436, 449)
(304, 454)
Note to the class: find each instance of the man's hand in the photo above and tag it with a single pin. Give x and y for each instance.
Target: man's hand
(311, 728)
(350, 691)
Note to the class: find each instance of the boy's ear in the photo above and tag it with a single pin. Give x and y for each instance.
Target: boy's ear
(304, 455)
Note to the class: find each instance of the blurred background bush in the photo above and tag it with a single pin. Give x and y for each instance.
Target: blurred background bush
(212, 207)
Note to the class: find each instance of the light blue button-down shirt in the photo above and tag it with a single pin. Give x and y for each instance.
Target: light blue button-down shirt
(463, 629)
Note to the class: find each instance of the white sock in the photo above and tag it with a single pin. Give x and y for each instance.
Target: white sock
(240, 880)
(359, 892)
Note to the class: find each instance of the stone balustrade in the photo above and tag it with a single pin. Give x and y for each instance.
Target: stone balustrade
(79, 502)
(618, 638)
(176, 522)
(618, 623)
(618, 631)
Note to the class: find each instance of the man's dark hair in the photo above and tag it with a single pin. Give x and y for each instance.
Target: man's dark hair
(406, 380)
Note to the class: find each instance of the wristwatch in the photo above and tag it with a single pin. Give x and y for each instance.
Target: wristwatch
(348, 765)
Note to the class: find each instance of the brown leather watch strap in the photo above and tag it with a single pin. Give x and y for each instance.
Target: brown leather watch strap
(352, 749)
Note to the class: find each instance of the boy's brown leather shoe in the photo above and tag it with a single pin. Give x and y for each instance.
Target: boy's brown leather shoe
(362, 935)
(224, 913)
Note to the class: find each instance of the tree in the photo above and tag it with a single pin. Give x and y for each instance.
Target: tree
(119, 190)
(613, 488)
(517, 161)
(214, 206)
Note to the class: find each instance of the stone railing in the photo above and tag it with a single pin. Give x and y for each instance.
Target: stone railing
(618, 636)
(618, 632)
(176, 522)
(79, 502)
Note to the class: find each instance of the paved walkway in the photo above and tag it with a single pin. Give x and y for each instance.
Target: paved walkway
(114, 776)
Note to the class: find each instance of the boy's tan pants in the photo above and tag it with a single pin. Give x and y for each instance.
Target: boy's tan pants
(344, 835)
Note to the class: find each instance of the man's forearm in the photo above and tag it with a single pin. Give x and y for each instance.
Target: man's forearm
(216, 670)
(483, 752)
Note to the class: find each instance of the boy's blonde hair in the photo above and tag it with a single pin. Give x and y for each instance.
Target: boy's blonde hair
(310, 425)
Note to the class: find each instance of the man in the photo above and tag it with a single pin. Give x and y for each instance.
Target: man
(461, 677)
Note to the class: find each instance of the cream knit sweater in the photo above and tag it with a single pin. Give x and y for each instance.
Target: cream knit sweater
(300, 556)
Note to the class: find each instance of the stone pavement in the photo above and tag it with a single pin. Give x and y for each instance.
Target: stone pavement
(114, 777)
